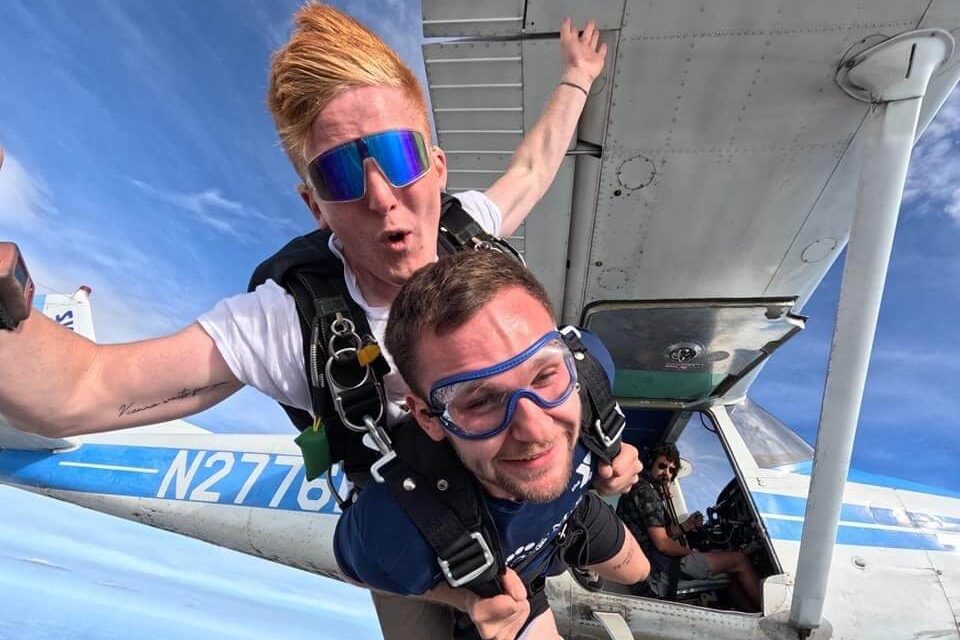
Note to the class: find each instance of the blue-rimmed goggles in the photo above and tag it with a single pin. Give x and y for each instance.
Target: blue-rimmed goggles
(337, 174)
(480, 404)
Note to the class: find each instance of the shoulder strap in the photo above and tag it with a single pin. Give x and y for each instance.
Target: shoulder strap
(459, 231)
(445, 502)
(308, 250)
(602, 422)
(313, 275)
(309, 271)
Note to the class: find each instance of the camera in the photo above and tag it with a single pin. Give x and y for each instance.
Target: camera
(16, 287)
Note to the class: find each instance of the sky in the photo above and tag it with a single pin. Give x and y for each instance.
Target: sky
(141, 160)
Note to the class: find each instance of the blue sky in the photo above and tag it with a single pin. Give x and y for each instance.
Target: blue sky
(141, 160)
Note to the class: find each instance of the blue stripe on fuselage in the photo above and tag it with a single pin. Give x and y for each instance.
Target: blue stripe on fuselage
(876, 480)
(245, 479)
(771, 505)
(794, 506)
(275, 481)
(862, 536)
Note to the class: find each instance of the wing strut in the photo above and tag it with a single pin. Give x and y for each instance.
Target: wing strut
(893, 77)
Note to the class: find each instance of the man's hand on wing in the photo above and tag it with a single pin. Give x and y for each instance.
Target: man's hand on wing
(501, 617)
(583, 55)
(623, 473)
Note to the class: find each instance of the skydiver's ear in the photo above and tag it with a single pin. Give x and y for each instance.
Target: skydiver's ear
(306, 194)
(440, 164)
(421, 413)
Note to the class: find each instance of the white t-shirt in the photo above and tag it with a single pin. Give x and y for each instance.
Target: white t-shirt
(258, 333)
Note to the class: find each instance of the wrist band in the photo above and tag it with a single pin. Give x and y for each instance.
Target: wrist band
(576, 86)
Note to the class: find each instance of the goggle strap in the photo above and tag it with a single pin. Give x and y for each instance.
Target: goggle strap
(496, 369)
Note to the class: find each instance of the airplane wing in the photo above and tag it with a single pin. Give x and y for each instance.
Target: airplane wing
(714, 158)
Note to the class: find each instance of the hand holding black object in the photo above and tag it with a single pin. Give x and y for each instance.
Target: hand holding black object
(16, 287)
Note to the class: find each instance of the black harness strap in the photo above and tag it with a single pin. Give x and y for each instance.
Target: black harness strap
(440, 496)
(313, 275)
(459, 232)
(603, 421)
(309, 271)
(445, 502)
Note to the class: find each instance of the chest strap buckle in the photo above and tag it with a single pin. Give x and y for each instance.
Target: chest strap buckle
(615, 421)
(467, 559)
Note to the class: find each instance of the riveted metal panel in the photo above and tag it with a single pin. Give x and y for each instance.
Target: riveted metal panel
(736, 92)
(593, 121)
(478, 118)
(442, 18)
(473, 63)
(823, 234)
(544, 16)
(480, 160)
(542, 68)
(483, 96)
(705, 225)
(762, 17)
(480, 139)
(722, 134)
(475, 90)
(547, 231)
(463, 180)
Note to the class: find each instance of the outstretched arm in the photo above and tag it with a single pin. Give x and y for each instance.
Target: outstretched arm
(56, 383)
(535, 162)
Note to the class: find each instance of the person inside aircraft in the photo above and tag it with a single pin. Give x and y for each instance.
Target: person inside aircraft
(339, 96)
(495, 388)
(647, 511)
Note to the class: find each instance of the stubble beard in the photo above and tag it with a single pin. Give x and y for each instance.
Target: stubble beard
(520, 488)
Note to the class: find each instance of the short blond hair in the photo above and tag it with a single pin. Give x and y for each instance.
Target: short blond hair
(328, 53)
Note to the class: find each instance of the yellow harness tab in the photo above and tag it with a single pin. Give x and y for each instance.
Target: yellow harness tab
(368, 354)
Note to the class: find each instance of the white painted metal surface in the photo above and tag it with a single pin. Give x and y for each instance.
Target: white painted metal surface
(725, 168)
(894, 75)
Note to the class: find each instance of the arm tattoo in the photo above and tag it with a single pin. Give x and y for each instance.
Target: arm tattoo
(626, 560)
(131, 409)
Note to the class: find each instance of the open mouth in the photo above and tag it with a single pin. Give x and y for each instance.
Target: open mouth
(396, 239)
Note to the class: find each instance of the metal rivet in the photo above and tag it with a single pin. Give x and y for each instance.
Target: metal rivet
(442, 484)
(409, 484)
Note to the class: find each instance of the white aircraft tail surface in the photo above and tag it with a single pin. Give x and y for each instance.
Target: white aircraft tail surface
(72, 312)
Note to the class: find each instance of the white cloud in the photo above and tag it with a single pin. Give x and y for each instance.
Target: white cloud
(211, 208)
(208, 207)
(922, 357)
(24, 198)
(935, 165)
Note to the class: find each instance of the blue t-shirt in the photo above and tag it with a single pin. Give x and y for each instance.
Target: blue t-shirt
(377, 544)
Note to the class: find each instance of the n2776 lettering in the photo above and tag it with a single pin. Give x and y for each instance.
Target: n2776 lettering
(249, 479)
